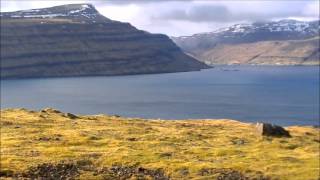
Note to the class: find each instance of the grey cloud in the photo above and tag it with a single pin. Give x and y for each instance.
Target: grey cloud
(196, 14)
(220, 13)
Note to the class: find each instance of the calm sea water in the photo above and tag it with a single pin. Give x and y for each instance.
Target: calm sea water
(281, 95)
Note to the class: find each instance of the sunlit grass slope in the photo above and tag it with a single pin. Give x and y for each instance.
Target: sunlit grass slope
(182, 149)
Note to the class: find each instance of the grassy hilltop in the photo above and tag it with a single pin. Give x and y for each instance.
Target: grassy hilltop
(52, 144)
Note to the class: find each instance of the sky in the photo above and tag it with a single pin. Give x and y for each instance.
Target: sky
(186, 17)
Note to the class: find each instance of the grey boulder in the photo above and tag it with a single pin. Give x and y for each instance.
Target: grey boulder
(266, 129)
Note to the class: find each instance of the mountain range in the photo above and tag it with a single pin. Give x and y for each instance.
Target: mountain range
(76, 40)
(284, 42)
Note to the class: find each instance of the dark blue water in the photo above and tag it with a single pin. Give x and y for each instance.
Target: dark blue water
(281, 95)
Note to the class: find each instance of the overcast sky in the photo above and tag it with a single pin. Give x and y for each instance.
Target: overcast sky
(186, 17)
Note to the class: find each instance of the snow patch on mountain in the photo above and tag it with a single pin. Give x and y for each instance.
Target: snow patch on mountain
(84, 10)
(83, 7)
(283, 26)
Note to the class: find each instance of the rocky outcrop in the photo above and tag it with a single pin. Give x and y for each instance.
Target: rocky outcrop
(286, 42)
(75, 40)
(266, 129)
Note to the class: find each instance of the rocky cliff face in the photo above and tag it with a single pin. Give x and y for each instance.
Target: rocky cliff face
(75, 40)
(286, 42)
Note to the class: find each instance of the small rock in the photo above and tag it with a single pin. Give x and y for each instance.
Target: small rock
(71, 116)
(266, 129)
(50, 110)
(94, 138)
(238, 141)
(132, 139)
(166, 155)
(131, 172)
(308, 134)
(44, 139)
(223, 173)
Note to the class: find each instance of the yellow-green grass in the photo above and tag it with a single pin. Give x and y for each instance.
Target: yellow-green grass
(29, 138)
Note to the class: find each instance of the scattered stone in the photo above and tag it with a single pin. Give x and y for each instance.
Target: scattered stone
(61, 171)
(53, 138)
(131, 172)
(266, 129)
(223, 173)
(257, 175)
(71, 170)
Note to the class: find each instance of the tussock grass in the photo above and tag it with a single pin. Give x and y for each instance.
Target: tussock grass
(184, 149)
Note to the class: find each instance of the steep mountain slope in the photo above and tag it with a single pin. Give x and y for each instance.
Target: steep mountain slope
(290, 52)
(286, 42)
(75, 40)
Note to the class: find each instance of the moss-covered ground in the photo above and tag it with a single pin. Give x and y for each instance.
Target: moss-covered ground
(182, 149)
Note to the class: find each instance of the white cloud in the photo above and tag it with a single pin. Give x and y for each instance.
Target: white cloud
(121, 13)
(312, 9)
(186, 17)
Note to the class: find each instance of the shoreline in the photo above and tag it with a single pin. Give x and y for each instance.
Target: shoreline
(213, 66)
(163, 119)
(252, 122)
